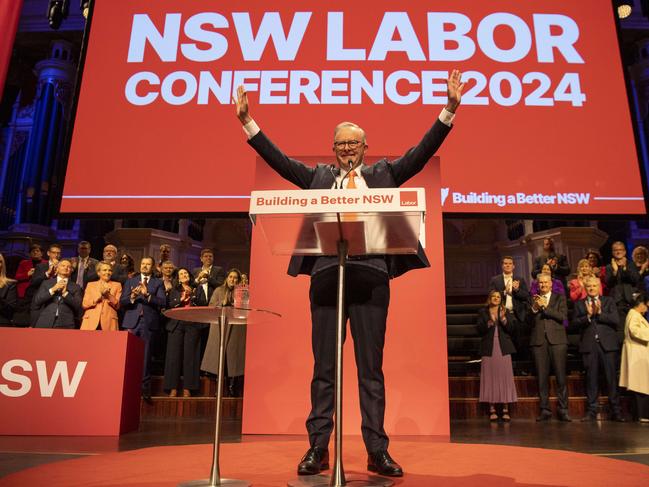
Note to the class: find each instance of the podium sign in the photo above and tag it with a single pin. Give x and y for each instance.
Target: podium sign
(375, 221)
(69, 382)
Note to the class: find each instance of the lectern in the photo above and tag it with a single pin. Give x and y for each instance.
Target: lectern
(341, 223)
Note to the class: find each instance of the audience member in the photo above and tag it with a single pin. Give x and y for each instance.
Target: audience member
(550, 344)
(128, 263)
(209, 272)
(58, 299)
(42, 272)
(184, 338)
(119, 272)
(8, 295)
(26, 269)
(557, 262)
(576, 285)
(634, 371)
(165, 255)
(234, 353)
(597, 318)
(24, 288)
(557, 285)
(101, 301)
(512, 288)
(167, 271)
(599, 270)
(640, 257)
(495, 325)
(622, 280)
(142, 298)
(83, 266)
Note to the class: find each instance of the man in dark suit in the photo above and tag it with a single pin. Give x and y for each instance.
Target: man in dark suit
(119, 271)
(84, 266)
(208, 273)
(367, 292)
(558, 262)
(515, 296)
(59, 299)
(550, 344)
(622, 278)
(42, 272)
(142, 298)
(597, 318)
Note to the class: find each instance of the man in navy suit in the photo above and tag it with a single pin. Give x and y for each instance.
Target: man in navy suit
(597, 318)
(59, 299)
(368, 290)
(142, 298)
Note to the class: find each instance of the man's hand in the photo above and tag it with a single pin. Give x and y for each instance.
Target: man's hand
(516, 285)
(614, 266)
(454, 88)
(241, 102)
(58, 286)
(589, 308)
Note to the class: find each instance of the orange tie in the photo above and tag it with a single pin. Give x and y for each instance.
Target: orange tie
(351, 184)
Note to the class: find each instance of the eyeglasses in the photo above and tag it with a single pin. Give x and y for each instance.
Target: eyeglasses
(352, 144)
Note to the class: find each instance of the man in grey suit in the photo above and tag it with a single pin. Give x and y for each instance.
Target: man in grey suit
(368, 291)
(59, 299)
(549, 343)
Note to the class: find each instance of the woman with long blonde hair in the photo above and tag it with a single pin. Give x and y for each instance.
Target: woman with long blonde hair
(576, 285)
(8, 295)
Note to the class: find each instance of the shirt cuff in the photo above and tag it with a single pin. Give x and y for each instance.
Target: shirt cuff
(446, 117)
(251, 129)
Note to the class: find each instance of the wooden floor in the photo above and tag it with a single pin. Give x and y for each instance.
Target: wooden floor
(625, 441)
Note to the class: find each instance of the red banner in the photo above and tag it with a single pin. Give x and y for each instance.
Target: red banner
(69, 382)
(544, 126)
(9, 15)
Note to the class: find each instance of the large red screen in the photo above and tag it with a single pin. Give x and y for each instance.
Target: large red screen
(544, 126)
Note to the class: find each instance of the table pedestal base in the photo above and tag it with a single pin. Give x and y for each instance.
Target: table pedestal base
(206, 483)
(353, 480)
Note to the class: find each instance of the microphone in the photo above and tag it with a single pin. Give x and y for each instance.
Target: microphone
(350, 163)
(331, 168)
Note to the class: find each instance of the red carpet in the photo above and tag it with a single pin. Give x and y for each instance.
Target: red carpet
(272, 463)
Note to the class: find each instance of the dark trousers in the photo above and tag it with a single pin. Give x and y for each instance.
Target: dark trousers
(592, 361)
(543, 355)
(642, 405)
(366, 304)
(183, 356)
(142, 331)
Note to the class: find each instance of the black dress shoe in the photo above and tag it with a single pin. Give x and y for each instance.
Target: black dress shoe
(618, 418)
(544, 416)
(382, 463)
(313, 461)
(565, 418)
(589, 418)
(147, 398)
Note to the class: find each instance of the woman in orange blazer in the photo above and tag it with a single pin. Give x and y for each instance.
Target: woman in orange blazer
(101, 301)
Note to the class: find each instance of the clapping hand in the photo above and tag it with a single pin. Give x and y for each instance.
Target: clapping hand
(516, 284)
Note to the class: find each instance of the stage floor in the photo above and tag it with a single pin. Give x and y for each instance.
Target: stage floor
(467, 460)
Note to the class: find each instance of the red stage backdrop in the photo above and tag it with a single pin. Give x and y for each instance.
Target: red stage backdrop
(9, 15)
(544, 126)
(279, 362)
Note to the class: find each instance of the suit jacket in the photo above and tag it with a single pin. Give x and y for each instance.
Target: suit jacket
(603, 326)
(487, 333)
(120, 274)
(40, 274)
(104, 313)
(147, 309)
(520, 297)
(383, 174)
(549, 322)
(90, 273)
(68, 307)
(8, 301)
(174, 301)
(634, 367)
(623, 285)
(214, 280)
